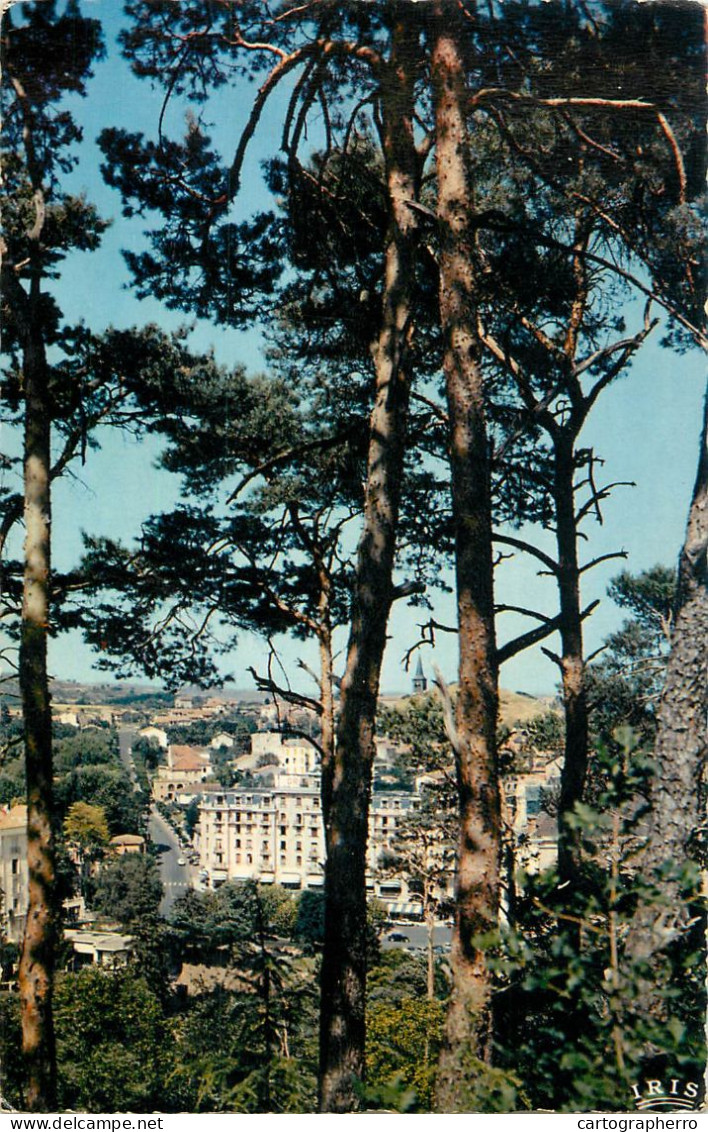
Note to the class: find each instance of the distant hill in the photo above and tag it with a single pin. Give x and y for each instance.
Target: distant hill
(124, 693)
(515, 706)
(520, 707)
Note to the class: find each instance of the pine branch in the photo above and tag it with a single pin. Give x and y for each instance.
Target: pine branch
(267, 684)
(602, 558)
(533, 636)
(528, 548)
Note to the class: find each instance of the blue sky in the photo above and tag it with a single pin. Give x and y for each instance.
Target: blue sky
(646, 426)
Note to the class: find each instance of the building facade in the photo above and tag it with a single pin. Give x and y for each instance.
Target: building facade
(294, 756)
(272, 834)
(180, 781)
(275, 834)
(14, 877)
(535, 831)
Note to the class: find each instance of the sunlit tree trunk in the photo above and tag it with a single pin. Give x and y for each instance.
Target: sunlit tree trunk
(678, 800)
(36, 969)
(572, 661)
(469, 1022)
(343, 980)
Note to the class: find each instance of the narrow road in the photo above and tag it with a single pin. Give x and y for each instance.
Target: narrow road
(126, 738)
(176, 879)
(417, 937)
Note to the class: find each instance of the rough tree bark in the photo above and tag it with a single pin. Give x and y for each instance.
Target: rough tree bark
(678, 797)
(572, 660)
(348, 787)
(469, 1022)
(36, 970)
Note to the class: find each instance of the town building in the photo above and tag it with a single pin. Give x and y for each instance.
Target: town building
(67, 718)
(223, 739)
(124, 843)
(535, 830)
(98, 948)
(294, 756)
(275, 834)
(271, 830)
(155, 734)
(14, 876)
(180, 780)
(420, 683)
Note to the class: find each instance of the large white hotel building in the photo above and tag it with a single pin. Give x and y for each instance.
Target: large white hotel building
(275, 834)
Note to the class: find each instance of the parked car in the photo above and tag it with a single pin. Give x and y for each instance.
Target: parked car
(397, 937)
(181, 861)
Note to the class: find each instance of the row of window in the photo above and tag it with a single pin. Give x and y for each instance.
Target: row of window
(265, 846)
(263, 801)
(265, 859)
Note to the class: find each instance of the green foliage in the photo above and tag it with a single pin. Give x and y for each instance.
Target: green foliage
(141, 769)
(625, 684)
(400, 975)
(87, 826)
(544, 733)
(649, 596)
(128, 889)
(207, 1047)
(152, 956)
(108, 786)
(90, 747)
(231, 916)
(487, 1088)
(11, 731)
(392, 1096)
(291, 1088)
(113, 1043)
(195, 921)
(12, 1068)
(191, 818)
(309, 924)
(247, 1064)
(148, 750)
(402, 1045)
(571, 1025)
(9, 958)
(420, 725)
(310, 921)
(12, 782)
(279, 909)
(202, 731)
(218, 1059)
(89, 771)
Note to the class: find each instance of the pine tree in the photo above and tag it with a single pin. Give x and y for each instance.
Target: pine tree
(45, 55)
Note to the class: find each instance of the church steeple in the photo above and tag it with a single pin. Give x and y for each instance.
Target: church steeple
(420, 683)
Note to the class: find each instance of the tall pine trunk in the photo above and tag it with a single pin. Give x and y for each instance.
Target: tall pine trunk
(678, 797)
(37, 959)
(347, 793)
(572, 663)
(36, 971)
(469, 1022)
